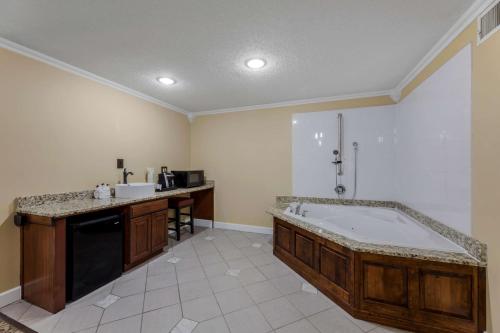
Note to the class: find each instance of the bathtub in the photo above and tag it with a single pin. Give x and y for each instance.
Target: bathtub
(383, 226)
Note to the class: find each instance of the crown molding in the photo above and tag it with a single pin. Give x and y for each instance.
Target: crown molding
(294, 103)
(9, 45)
(467, 18)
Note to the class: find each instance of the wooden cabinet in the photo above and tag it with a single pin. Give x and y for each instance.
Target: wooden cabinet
(145, 231)
(159, 230)
(417, 295)
(140, 237)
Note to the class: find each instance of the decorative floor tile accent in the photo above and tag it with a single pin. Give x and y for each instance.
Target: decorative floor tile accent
(209, 238)
(185, 326)
(308, 288)
(233, 272)
(107, 301)
(174, 260)
(257, 245)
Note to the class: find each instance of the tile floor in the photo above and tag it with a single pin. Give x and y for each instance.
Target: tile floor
(217, 281)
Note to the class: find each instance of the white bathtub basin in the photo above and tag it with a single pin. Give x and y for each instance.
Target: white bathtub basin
(375, 225)
(134, 190)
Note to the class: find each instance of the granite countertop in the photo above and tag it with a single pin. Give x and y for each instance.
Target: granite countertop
(476, 251)
(73, 203)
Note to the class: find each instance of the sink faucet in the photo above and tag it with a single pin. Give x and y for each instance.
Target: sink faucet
(125, 175)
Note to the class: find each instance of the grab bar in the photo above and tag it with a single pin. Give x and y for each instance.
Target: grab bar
(340, 143)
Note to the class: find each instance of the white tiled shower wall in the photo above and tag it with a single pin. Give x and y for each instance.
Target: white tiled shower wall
(417, 152)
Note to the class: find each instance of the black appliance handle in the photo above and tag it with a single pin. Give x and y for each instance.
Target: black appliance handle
(96, 221)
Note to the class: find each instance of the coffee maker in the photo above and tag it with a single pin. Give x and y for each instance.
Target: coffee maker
(166, 180)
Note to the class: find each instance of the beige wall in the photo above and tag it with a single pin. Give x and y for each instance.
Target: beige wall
(61, 132)
(485, 155)
(249, 154)
(486, 164)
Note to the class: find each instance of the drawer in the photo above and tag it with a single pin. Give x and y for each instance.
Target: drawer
(148, 207)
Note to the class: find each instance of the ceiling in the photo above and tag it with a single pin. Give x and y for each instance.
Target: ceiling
(314, 48)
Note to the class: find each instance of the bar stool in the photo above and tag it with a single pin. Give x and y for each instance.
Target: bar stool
(178, 203)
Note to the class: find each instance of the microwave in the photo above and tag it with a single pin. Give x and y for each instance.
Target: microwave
(191, 178)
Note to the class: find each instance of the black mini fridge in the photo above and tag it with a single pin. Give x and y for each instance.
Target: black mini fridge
(94, 252)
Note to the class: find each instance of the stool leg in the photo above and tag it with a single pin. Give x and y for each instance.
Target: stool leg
(178, 223)
(191, 218)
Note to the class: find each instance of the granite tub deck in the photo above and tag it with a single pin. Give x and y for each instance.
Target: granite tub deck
(73, 203)
(476, 251)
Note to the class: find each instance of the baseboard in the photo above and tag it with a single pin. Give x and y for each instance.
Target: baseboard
(10, 296)
(234, 226)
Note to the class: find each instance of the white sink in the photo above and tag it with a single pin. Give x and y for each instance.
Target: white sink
(134, 190)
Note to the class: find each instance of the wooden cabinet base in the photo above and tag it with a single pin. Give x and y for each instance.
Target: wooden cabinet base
(417, 295)
(43, 268)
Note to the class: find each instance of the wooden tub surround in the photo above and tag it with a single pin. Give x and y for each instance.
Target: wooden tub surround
(413, 294)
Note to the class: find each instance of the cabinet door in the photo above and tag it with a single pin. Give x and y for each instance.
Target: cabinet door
(140, 239)
(159, 225)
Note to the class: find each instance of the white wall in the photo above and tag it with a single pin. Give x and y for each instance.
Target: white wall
(416, 152)
(433, 146)
(313, 171)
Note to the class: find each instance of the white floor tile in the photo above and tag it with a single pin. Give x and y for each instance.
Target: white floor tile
(274, 270)
(234, 299)
(160, 267)
(161, 281)
(251, 275)
(262, 291)
(215, 325)
(190, 274)
(79, 318)
(332, 321)
(33, 315)
(210, 259)
(124, 307)
(135, 273)
(224, 282)
(15, 310)
(262, 259)
(161, 298)
(241, 263)
(129, 287)
(301, 326)
(107, 301)
(185, 326)
(195, 289)
(248, 320)
(161, 320)
(288, 284)
(279, 312)
(201, 309)
(308, 303)
(215, 269)
(127, 325)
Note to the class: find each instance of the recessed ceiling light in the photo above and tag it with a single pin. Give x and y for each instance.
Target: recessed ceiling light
(255, 63)
(166, 81)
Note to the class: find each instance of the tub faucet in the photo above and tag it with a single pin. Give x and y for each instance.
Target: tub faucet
(297, 208)
(125, 175)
